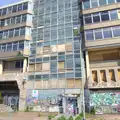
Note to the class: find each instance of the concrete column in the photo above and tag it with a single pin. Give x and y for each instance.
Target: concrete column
(64, 104)
(116, 74)
(79, 102)
(98, 76)
(87, 64)
(22, 100)
(24, 65)
(1, 67)
(108, 77)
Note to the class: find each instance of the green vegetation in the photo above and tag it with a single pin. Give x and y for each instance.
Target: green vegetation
(78, 118)
(92, 111)
(70, 118)
(62, 118)
(50, 117)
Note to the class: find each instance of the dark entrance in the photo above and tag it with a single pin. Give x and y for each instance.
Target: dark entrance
(9, 93)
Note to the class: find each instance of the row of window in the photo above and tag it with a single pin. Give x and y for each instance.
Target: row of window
(54, 58)
(14, 46)
(55, 76)
(100, 16)
(12, 33)
(102, 33)
(13, 20)
(87, 4)
(53, 6)
(8, 65)
(15, 8)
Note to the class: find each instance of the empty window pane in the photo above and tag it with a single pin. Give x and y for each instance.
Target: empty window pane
(116, 31)
(98, 34)
(96, 17)
(89, 35)
(11, 32)
(111, 1)
(88, 19)
(25, 6)
(113, 14)
(4, 11)
(22, 31)
(13, 20)
(86, 4)
(24, 18)
(94, 3)
(18, 19)
(102, 2)
(17, 32)
(1, 35)
(20, 7)
(14, 8)
(104, 16)
(107, 32)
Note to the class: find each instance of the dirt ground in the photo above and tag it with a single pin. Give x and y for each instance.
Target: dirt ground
(34, 116)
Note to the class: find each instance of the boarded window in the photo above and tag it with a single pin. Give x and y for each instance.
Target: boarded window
(112, 75)
(94, 76)
(45, 66)
(103, 75)
(31, 67)
(61, 65)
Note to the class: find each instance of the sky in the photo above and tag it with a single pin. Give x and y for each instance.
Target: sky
(6, 2)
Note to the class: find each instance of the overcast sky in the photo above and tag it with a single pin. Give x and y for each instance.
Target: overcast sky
(6, 2)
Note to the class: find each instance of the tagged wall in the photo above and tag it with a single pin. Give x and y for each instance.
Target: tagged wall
(105, 102)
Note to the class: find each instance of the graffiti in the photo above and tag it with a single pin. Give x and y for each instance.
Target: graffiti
(105, 101)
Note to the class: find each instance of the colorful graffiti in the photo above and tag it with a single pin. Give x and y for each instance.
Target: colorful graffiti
(105, 101)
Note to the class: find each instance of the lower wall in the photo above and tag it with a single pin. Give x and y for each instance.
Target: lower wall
(105, 101)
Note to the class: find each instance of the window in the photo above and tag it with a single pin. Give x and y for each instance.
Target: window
(17, 32)
(113, 15)
(102, 2)
(25, 6)
(13, 20)
(118, 0)
(53, 66)
(94, 3)
(20, 7)
(77, 63)
(69, 64)
(11, 32)
(45, 66)
(2, 23)
(98, 34)
(15, 46)
(9, 47)
(4, 47)
(24, 18)
(4, 11)
(104, 16)
(107, 33)
(14, 9)
(18, 19)
(68, 31)
(9, 10)
(8, 21)
(19, 64)
(89, 35)
(1, 35)
(116, 31)
(0, 12)
(96, 17)
(61, 65)
(88, 19)
(86, 4)
(111, 1)
(5, 34)
(22, 31)
(21, 45)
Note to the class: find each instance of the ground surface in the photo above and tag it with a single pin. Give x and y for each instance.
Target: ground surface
(34, 116)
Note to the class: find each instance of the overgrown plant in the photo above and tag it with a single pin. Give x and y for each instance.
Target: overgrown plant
(78, 118)
(70, 118)
(62, 118)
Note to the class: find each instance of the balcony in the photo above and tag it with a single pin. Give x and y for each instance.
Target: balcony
(106, 43)
(14, 54)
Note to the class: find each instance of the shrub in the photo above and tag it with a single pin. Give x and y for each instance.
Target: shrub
(78, 118)
(70, 118)
(50, 117)
(62, 118)
(92, 111)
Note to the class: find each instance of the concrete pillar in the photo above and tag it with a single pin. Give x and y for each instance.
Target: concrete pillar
(1, 67)
(64, 104)
(88, 72)
(24, 65)
(116, 74)
(79, 102)
(98, 76)
(22, 100)
(108, 77)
